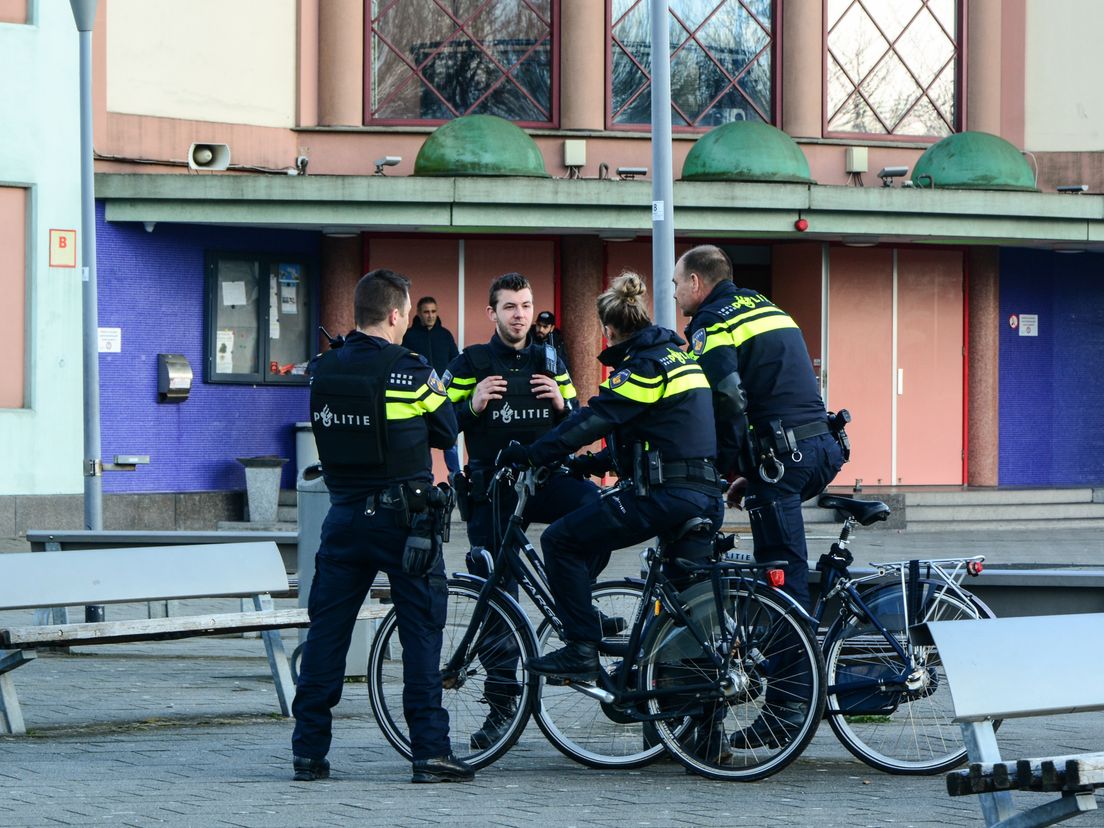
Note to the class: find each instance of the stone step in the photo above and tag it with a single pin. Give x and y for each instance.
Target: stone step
(998, 512)
(998, 497)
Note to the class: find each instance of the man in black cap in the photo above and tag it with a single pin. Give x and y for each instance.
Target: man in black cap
(545, 332)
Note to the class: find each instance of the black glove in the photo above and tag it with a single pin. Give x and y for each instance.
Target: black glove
(514, 454)
(585, 465)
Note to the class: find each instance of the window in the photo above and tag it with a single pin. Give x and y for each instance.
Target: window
(13, 295)
(260, 319)
(435, 60)
(722, 62)
(893, 67)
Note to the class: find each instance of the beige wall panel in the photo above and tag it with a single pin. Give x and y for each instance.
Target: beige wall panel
(205, 60)
(1064, 107)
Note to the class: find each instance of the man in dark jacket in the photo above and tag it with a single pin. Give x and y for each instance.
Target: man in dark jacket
(428, 337)
(545, 332)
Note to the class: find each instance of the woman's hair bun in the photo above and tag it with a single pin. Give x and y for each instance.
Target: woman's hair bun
(629, 285)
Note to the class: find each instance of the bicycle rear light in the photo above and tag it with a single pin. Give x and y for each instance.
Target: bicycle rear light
(974, 568)
(776, 578)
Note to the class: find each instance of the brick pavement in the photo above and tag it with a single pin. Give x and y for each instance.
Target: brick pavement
(186, 734)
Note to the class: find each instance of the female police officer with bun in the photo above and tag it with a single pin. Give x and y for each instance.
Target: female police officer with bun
(656, 412)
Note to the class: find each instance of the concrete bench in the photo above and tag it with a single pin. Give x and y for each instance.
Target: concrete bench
(1008, 668)
(31, 580)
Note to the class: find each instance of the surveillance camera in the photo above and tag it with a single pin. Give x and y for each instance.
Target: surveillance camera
(887, 174)
(387, 161)
(631, 172)
(1073, 188)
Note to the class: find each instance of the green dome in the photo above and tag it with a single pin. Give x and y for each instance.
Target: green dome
(479, 145)
(746, 151)
(973, 161)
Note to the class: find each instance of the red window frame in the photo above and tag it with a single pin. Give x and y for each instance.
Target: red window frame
(774, 117)
(887, 137)
(554, 58)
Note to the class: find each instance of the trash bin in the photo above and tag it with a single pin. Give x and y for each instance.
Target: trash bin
(262, 487)
(313, 504)
(306, 451)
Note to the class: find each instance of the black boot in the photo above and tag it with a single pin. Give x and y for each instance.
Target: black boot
(577, 661)
(308, 770)
(502, 713)
(442, 769)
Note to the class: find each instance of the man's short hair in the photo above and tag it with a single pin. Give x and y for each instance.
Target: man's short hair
(709, 262)
(377, 294)
(425, 300)
(507, 281)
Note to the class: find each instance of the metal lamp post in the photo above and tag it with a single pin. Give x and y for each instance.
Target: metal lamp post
(663, 206)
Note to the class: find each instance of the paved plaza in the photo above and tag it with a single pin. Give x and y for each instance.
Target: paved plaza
(187, 733)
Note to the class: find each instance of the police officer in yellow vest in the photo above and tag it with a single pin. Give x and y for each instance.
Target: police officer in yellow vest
(510, 389)
(376, 410)
(657, 417)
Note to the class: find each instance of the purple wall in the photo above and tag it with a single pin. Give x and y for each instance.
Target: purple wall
(1052, 385)
(152, 286)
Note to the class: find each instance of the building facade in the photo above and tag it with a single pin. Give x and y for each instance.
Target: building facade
(953, 312)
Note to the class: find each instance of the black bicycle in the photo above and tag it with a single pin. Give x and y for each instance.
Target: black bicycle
(888, 700)
(725, 673)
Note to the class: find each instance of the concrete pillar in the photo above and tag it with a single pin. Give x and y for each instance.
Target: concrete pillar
(983, 365)
(983, 66)
(802, 69)
(582, 64)
(341, 63)
(582, 270)
(341, 270)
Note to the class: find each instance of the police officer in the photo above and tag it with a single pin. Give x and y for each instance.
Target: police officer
(773, 429)
(376, 409)
(510, 390)
(657, 416)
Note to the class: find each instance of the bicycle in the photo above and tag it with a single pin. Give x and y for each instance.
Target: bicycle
(887, 697)
(692, 668)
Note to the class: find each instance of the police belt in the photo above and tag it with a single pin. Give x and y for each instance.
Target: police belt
(766, 439)
(690, 471)
(407, 498)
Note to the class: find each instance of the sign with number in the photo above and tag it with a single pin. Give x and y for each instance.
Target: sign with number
(63, 248)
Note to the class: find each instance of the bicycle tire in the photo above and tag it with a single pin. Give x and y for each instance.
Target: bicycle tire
(907, 733)
(779, 663)
(581, 727)
(465, 702)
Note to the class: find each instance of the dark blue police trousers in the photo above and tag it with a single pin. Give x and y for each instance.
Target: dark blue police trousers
(355, 547)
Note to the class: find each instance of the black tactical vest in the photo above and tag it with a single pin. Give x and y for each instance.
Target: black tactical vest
(349, 415)
(518, 415)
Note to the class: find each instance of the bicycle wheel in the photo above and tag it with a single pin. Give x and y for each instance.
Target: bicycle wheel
(581, 727)
(504, 640)
(899, 730)
(764, 709)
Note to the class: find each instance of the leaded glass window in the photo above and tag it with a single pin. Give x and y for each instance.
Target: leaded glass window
(722, 62)
(893, 67)
(435, 60)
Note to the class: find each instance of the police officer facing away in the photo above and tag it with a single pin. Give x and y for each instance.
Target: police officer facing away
(772, 427)
(656, 413)
(376, 409)
(509, 390)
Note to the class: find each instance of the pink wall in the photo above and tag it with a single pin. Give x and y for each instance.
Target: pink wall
(795, 287)
(13, 11)
(430, 264)
(13, 295)
(860, 357)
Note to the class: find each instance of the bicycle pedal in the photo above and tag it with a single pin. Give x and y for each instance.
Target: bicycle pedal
(557, 681)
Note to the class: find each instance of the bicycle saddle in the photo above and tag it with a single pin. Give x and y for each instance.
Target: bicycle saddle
(865, 512)
(696, 525)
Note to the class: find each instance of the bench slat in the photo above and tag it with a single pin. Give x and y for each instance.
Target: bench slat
(111, 576)
(1049, 774)
(160, 629)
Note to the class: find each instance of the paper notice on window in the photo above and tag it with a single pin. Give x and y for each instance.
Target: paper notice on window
(289, 299)
(233, 293)
(273, 328)
(224, 352)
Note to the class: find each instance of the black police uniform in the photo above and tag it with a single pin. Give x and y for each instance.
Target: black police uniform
(361, 460)
(656, 413)
(518, 416)
(763, 384)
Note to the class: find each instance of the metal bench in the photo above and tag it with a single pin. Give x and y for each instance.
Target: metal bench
(30, 580)
(1010, 668)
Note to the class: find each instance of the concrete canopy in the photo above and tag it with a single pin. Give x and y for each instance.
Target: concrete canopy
(746, 151)
(480, 145)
